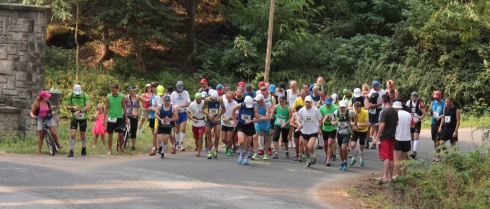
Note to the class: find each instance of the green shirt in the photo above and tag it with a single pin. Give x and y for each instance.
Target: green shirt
(80, 101)
(324, 110)
(115, 106)
(282, 115)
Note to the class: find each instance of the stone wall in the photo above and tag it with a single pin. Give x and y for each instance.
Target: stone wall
(22, 55)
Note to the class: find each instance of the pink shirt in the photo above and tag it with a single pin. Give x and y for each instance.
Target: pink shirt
(43, 110)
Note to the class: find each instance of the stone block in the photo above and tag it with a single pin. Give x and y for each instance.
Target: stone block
(22, 93)
(13, 49)
(3, 79)
(21, 103)
(11, 92)
(16, 36)
(13, 20)
(3, 52)
(6, 67)
(26, 25)
(20, 84)
(10, 82)
(13, 28)
(5, 26)
(21, 76)
(22, 46)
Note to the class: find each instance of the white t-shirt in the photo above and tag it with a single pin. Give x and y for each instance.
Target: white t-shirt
(405, 121)
(181, 98)
(228, 107)
(195, 110)
(279, 94)
(291, 97)
(310, 119)
(381, 92)
(157, 101)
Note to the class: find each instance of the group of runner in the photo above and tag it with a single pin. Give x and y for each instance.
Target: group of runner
(254, 123)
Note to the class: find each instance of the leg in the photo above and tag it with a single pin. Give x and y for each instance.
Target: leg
(109, 142)
(40, 141)
(95, 140)
(102, 136)
(330, 149)
(73, 136)
(217, 130)
(120, 139)
(398, 159)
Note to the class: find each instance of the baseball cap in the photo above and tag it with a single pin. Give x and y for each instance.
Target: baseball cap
(397, 105)
(248, 87)
(132, 88)
(272, 88)
(214, 95)
(262, 85)
(346, 91)
(204, 81)
(160, 89)
(219, 86)
(308, 99)
(77, 89)
(259, 97)
(166, 98)
(241, 84)
(282, 85)
(328, 101)
(198, 96)
(437, 94)
(343, 103)
(282, 98)
(148, 85)
(415, 94)
(357, 92)
(204, 94)
(44, 94)
(376, 83)
(249, 102)
(179, 86)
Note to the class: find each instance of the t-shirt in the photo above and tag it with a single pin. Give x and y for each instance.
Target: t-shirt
(405, 122)
(239, 100)
(251, 94)
(361, 118)
(389, 116)
(181, 98)
(80, 102)
(291, 97)
(315, 98)
(324, 110)
(310, 118)
(115, 106)
(228, 110)
(437, 110)
(299, 102)
(343, 120)
(413, 108)
(195, 110)
(279, 94)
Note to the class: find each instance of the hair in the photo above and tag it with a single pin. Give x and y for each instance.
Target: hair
(365, 87)
(450, 99)
(392, 83)
(386, 98)
(228, 86)
(298, 108)
(154, 84)
(357, 104)
(146, 89)
(241, 89)
(229, 93)
(100, 106)
(114, 85)
(319, 78)
(170, 89)
(401, 99)
(35, 105)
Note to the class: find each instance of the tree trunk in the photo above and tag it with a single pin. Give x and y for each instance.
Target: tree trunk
(139, 59)
(191, 32)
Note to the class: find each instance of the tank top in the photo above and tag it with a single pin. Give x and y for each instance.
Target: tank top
(115, 106)
(43, 110)
(147, 104)
(262, 112)
(282, 116)
(213, 107)
(245, 114)
(132, 106)
(165, 113)
(450, 118)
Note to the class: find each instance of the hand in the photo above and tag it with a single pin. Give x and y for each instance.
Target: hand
(194, 120)
(283, 125)
(248, 121)
(215, 120)
(455, 134)
(226, 120)
(75, 108)
(440, 130)
(211, 116)
(127, 121)
(416, 120)
(375, 141)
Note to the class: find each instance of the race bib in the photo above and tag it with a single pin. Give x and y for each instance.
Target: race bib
(213, 111)
(111, 120)
(447, 119)
(308, 118)
(435, 114)
(343, 131)
(182, 109)
(415, 115)
(344, 124)
(246, 117)
(230, 122)
(372, 111)
(281, 121)
(167, 123)
(80, 115)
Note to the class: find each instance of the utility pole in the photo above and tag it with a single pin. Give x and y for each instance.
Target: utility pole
(269, 42)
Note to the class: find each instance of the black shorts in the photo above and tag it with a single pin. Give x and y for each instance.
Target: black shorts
(164, 130)
(152, 123)
(272, 123)
(359, 135)
(404, 146)
(74, 124)
(343, 139)
(296, 135)
(374, 117)
(448, 135)
(307, 137)
(248, 130)
(418, 125)
(227, 129)
(329, 134)
(134, 127)
(118, 126)
(278, 131)
(434, 130)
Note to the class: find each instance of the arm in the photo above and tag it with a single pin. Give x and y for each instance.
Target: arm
(458, 116)
(273, 112)
(204, 108)
(380, 130)
(267, 113)
(443, 119)
(256, 115)
(106, 111)
(222, 109)
(69, 105)
(125, 109)
(424, 113)
(175, 115)
(366, 102)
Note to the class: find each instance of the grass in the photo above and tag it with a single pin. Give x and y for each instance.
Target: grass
(467, 121)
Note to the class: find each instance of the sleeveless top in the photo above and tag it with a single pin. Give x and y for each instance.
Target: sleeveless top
(262, 113)
(450, 118)
(115, 106)
(43, 110)
(132, 107)
(282, 115)
(165, 113)
(245, 114)
(147, 104)
(213, 108)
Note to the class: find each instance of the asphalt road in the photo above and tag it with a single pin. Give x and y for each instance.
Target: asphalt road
(182, 180)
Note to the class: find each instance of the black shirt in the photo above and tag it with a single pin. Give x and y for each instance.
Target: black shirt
(389, 116)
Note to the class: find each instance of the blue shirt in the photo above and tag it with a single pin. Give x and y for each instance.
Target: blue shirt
(315, 98)
(262, 113)
(251, 94)
(437, 108)
(152, 113)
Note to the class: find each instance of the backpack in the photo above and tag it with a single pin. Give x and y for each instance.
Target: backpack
(71, 98)
(417, 107)
(373, 99)
(347, 114)
(360, 99)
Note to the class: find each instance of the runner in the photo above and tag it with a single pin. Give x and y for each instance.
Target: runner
(297, 135)
(194, 112)
(219, 89)
(262, 125)
(291, 94)
(449, 124)
(204, 87)
(403, 137)
(247, 116)
(42, 111)
(155, 100)
(388, 120)
(227, 123)
(282, 114)
(357, 98)
(319, 83)
(345, 120)
(180, 100)
(390, 85)
(417, 109)
(359, 134)
(249, 91)
(166, 116)
(308, 121)
(239, 98)
(132, 107)
(115, 120)
(78, 103)
(374, 105)
(145, 104)
(328, 129)
(267, 99)
(437, 107)
(213, 108)
(347, 96)
(281, 89)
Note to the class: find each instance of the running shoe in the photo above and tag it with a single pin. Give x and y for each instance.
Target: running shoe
(373, 146)
(350, 155)
(341, 166)
(269, 152)
(255, 157)
(152, 152)
(210, 156)
(308, 164)
(162, 155)
(160, 150)
(71, 153)
(58, 145)
(327, 164)
(345, 166)
(233, 150)
(299, 159)
(215, 154)
(413, 155)
(84, 151)
(240, 159)
(261, 152)
(361, 163)
(334, 158)
(367, 145)
(226, 149)
(266, 156)
(313, 160)
(141, 131)
(295, 158)
(287, 154)
(245, 161)
(229, 153)
(352, 161)
(319, 147)
(275, 155)
(303, 155)
(250, 154)
(173, 151)
(133, 149)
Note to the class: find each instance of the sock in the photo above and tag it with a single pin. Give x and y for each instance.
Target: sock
(164, 148)
(240, 150)
(182, 139)
(261, 142)
(320, 140)
(248, 151)
(72, 144)
(313, 155)
(361, 154)
(153, 148)
(161, 144)
(353, 152)
(415, 144)
(411, 142)
(83, 143)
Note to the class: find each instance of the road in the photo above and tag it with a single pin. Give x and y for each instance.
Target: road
(183, 180)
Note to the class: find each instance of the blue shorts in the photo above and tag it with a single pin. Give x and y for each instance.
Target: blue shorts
(267, 130)
(374, 118)
(182, 118)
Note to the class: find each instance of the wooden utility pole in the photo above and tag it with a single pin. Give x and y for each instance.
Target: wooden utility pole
(269, 42)
(77, 59)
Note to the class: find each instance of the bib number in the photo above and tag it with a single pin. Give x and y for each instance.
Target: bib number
(343, 124)
(213, 111)
(308, 119)
(447, 119)
(166, 123)
(111, 120)
(246, 117)
(80, 115)
(435, 114)
(281, 121)
(415, 115)
(372, 111)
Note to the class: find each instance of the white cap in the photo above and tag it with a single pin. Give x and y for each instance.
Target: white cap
(308, 99)
(204, 94)
(397, 105)
(249, 102)
(334, 98)
(357, 92)
(214, 95)
(259, 97)
(343, 103)
(77, 89)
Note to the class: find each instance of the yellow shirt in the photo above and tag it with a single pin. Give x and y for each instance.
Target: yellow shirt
(361, 118)
(299, 101)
